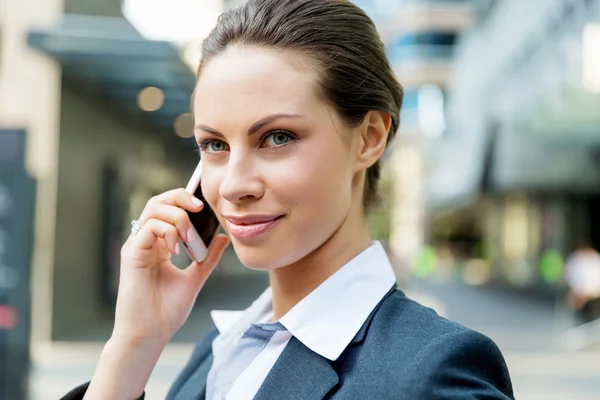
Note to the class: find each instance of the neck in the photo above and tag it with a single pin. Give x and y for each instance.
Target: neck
(292, 283)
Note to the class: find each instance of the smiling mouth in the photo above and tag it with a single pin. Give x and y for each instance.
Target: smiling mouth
(251, 227)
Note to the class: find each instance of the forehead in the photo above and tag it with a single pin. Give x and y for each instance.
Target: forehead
(252, 82)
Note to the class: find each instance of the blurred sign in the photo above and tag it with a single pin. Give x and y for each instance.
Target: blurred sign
(8, 318)
(591, 57)
(16, 221)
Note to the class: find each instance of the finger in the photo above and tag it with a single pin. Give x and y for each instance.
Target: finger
(155, 229)
(177, 197)
(171, 215)
(199, 272)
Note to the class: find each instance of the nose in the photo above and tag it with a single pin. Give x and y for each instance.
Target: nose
(241, 181)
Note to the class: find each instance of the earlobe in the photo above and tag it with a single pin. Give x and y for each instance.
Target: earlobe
(374, 135)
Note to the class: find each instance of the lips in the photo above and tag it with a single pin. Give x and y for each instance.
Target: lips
(252, 219)
(251, 226)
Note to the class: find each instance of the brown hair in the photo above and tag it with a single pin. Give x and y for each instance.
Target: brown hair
(355, 74)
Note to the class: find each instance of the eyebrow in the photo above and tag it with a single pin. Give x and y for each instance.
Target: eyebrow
(254, 128)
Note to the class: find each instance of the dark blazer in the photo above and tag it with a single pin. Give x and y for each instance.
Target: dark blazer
(403, 351)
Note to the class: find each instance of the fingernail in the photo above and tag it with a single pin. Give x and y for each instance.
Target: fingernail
(177, 249)
(190, 235)
(196, 201)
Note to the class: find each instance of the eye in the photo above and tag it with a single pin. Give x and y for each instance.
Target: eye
(278, 139)
(213, 146)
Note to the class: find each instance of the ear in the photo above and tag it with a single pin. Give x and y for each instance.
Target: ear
(373, 138)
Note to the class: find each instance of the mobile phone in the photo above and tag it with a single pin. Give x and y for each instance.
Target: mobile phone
(204, 223)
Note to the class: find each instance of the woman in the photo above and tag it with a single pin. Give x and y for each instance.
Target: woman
(295, 103)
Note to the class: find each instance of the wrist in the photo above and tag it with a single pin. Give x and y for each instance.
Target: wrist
(124, 368)
(136, 343)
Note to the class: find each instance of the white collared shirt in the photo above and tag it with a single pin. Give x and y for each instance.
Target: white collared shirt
(325, 321)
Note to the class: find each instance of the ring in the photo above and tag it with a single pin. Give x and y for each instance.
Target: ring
(135, 227)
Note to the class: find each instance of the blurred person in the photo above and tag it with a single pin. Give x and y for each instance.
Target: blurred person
(295, 103)
(582, 277)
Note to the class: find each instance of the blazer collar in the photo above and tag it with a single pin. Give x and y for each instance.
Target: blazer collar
(360, 336)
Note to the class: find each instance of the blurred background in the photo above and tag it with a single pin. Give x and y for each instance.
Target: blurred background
(491, 209)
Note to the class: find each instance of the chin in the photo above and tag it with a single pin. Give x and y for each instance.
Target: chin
(261, 258)
(257, 258)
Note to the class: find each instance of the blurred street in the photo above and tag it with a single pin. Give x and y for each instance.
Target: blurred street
(526, 330)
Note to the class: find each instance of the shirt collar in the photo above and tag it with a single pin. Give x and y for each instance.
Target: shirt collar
(328, 318)
(232, 324)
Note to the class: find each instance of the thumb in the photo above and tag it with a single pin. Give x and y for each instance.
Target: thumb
(199, 272)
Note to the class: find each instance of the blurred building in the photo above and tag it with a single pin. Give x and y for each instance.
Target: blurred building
(516, 174)
(105, 113)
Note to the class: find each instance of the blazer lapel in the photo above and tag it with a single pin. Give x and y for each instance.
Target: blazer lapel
(191, 382)
(298, 374)
(195, 385)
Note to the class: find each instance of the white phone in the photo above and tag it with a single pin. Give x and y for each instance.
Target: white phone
(204, 223)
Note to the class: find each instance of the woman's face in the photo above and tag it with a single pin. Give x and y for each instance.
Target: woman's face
(278, 162)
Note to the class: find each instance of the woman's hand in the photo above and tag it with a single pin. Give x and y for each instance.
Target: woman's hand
(155, 297)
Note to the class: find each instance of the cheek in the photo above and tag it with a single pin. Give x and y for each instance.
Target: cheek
(313, 181)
